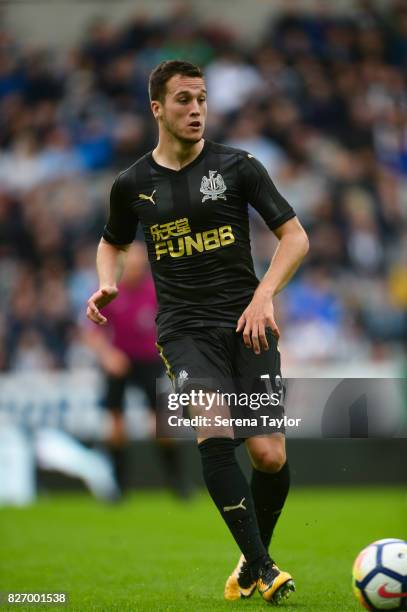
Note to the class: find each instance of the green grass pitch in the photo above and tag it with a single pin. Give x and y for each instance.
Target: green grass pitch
(154, 553)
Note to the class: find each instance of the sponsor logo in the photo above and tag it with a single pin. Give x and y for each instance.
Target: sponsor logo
(239, 505)
(213, 187)
(143, 196)
(383, 592)
(175, 239)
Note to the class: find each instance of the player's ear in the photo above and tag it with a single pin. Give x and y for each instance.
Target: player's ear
(156, 109)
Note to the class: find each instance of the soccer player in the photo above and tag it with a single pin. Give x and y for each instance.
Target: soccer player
(215, 318)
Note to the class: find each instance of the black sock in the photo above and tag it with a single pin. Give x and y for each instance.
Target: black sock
(269, 493)
(231, 493)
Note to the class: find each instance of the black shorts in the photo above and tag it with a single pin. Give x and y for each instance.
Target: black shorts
(217, 359)
(142, 374)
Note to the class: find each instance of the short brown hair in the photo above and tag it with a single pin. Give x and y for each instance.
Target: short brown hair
(164, 71)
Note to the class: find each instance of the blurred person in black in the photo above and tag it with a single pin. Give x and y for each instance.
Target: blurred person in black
(191, 196)
(126, 350)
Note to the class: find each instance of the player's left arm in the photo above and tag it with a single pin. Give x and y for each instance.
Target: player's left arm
(263, 195)
(292, 247)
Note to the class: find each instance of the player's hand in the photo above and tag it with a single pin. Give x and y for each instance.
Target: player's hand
(98, 300)
(255, 319)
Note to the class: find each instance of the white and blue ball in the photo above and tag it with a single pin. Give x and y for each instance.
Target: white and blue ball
(379, 575)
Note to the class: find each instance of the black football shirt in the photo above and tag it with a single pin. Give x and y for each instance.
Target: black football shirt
(196, 227)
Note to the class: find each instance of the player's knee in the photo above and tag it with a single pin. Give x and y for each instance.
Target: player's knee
(270, 460)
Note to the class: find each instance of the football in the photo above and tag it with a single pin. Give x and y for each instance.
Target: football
(379, 575)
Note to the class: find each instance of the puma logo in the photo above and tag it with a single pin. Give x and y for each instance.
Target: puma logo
(239, 505)
(143, 196)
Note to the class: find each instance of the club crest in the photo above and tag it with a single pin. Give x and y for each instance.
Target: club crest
(213, 187)
(182, 378)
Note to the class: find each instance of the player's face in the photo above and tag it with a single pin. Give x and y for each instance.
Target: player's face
(183, 113)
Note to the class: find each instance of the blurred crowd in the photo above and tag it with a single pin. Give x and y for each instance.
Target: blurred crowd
(320, 99)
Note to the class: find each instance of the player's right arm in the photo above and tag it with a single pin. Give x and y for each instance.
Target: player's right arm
(117, 237)
(109, 264)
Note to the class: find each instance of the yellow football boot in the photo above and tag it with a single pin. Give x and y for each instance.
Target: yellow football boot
(240, 583)
(273, 584)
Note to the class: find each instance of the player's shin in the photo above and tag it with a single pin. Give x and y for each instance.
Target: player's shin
(269, 491)
(232, 496)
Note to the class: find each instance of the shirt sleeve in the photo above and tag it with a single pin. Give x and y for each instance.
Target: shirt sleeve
(262, 194)
(121, 226)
